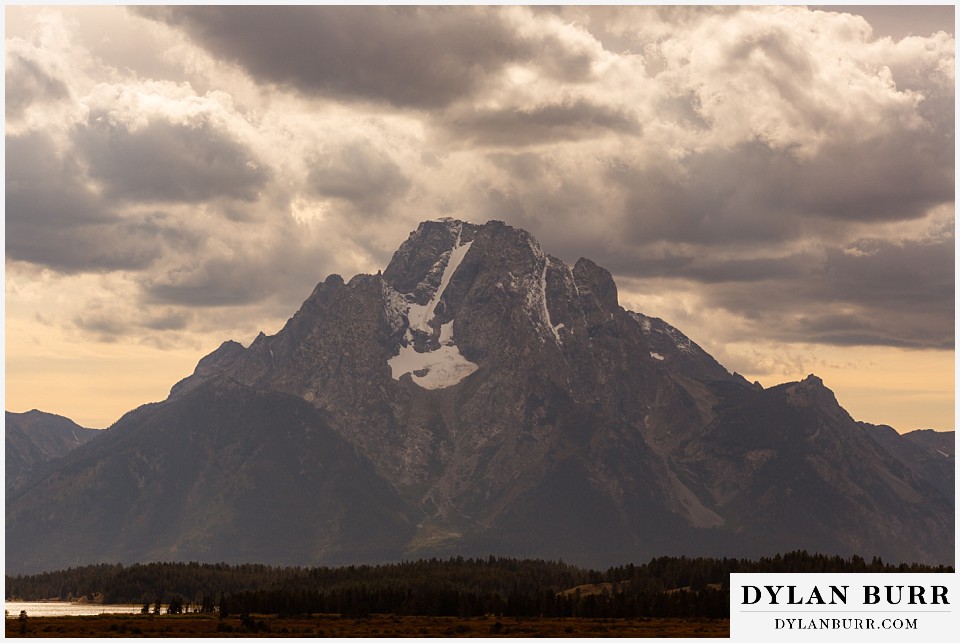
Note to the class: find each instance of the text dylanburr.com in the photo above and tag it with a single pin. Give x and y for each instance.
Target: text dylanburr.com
(844, 607)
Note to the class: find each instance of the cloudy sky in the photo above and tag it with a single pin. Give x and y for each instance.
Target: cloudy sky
(777, 182)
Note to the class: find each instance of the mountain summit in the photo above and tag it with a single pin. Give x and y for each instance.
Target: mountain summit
(479, 396)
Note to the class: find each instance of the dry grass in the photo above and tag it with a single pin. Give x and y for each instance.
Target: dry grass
(205, 625)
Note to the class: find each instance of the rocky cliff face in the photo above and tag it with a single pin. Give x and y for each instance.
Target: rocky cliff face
(513, 407)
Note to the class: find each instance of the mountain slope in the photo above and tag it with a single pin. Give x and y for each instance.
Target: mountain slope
(930, 455)
(792, 469)
(503, 402)
(223, 473)
(551, 376)
(33, 439)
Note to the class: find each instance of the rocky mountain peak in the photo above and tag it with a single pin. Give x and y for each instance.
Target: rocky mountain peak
(596, 283)
(811, 393)
(417, 266)
(811, 388)
(218, 361)
(453, 278)
(498, 400)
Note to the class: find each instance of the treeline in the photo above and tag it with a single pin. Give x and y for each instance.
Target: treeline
(359, 602)
(663, 587)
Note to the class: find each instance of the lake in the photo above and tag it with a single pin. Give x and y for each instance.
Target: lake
(64, 608)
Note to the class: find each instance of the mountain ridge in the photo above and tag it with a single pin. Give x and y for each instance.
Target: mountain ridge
(514, 407)
(34, 439)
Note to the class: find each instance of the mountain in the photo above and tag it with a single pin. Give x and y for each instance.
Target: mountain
(928, 454)
(940, 444)
(34, 438)
(478, 396)
(224, 473)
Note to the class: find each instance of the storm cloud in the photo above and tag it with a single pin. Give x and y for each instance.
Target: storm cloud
(163, 161)
(564, 121)
(422, 57)
(789, 169)
(360, 176)
(54, 220)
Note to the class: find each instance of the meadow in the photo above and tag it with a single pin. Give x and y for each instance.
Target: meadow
(373, 626)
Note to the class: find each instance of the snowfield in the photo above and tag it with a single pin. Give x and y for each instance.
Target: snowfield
(445, 366)
(442, 367)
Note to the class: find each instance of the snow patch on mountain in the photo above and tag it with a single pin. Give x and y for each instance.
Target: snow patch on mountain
(444, 366)
(432, 370)
(656, 356)
(446, 334)
(681, 341)
(419, 315)
(535, 287)
(658, 326)
(543, 300)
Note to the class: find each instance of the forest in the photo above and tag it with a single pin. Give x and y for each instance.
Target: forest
(677, 587)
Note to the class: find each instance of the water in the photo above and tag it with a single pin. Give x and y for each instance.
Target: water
(64, 608)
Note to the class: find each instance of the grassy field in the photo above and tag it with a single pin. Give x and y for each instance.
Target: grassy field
(206, 625)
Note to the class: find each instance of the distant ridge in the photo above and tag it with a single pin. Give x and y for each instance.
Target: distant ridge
(35, 438)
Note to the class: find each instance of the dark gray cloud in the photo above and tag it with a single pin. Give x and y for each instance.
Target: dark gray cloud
(53, 219)
(755, 193)
(168, 321)
(104, 327)
(527, 167)
(889, 178)
(894, 295)
(215, 282)
(719, 197)
(168, 162)
(563, 121)
(279, 265)
(110, 324)
(555, 59)
(915, 276)
(361, 175)
(706, 269)
(424, 57)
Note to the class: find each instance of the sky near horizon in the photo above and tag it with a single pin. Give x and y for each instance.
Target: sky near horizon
(775, 181)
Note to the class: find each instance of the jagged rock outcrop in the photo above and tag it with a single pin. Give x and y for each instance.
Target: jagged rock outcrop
(512, 406)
